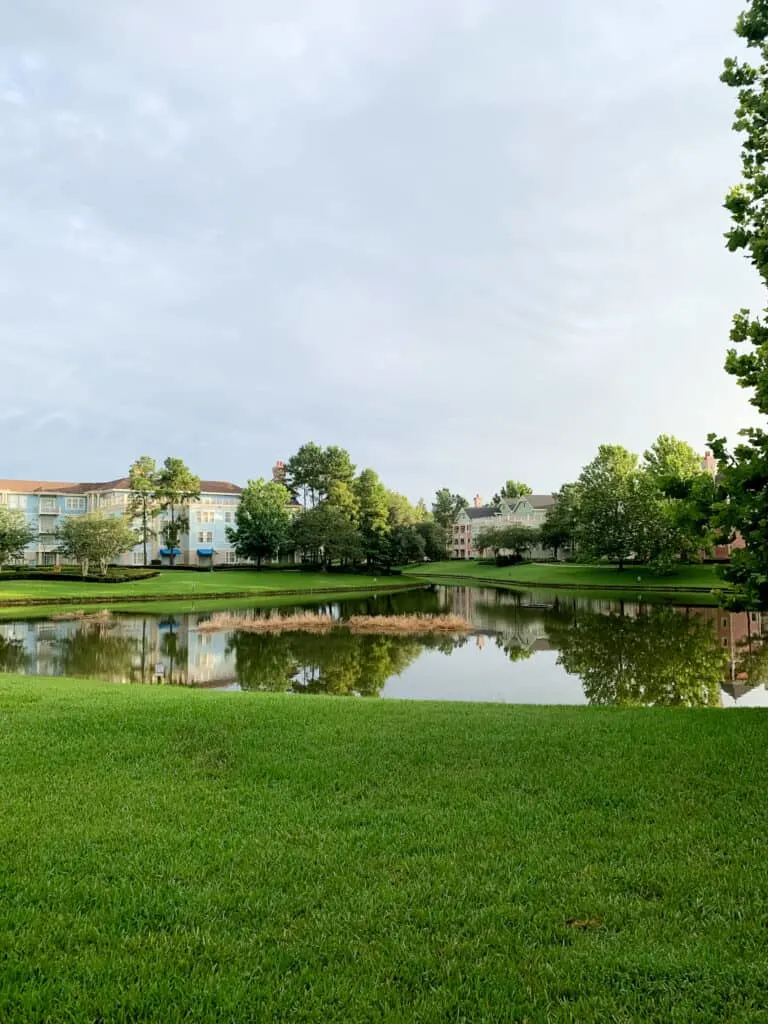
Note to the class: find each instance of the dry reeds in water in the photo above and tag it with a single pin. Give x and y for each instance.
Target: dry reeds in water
(308, 622)
(416, 625)
(103, 616)
(301, 622)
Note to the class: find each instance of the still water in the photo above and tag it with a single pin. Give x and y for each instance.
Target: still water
(528, 647)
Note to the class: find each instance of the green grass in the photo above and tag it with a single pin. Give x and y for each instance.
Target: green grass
(601, 577)
(191, 585)
(172, 855)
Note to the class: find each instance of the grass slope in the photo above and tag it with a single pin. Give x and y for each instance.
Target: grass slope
(176, 856)
(601, 577)
(190, 585)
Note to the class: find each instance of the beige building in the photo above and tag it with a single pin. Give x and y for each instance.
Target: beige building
(530, 510)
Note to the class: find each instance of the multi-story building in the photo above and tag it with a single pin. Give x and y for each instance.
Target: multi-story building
(47, 503)
(529, 510)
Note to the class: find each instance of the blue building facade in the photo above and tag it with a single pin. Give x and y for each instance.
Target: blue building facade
(46, 504)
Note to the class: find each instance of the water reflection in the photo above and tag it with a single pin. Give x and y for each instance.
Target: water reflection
(528, 647)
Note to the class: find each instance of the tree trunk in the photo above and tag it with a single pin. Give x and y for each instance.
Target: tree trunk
(84, 567)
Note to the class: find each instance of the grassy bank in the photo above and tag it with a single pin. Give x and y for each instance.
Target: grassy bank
(633, 580)
(185, 586)
(176, 856)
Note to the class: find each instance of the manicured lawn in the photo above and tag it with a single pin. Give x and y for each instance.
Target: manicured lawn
(172, 855)
(171, 584)
(531, 574)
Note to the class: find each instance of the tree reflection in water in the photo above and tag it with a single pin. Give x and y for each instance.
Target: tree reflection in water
(13, 657)
(658, 657)
(338, 663)
(94, 651)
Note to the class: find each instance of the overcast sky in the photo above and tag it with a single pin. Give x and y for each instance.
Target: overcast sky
(466, 239)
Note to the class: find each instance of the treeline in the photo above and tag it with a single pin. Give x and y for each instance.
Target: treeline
(657, 510)
(321, 507)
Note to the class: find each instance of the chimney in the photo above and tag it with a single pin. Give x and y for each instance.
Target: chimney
(477, 501)
(709, 463)
(278, 472)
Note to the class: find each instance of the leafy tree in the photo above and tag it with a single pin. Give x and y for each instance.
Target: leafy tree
(405, 544)
(512, 489)
(312, 472)
(143, 504)
(341, 496)
(325, 535)
(447, 506)
(304, 474)
(373, 514)
(559, 528)
(434, 539)
(744, 471)
(610, 505)
(517, 539)
(15, 534)
(671, 462)
(400, 512)
(95, 538)
(176, 487)
(262, 521)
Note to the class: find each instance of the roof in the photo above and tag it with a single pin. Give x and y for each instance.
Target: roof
(540, 500)
(534, 500)
(481, 513)
(121, 484)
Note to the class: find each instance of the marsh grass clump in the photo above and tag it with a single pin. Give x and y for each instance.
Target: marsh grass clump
(311, 622)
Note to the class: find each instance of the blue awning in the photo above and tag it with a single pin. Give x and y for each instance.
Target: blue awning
(206, 551)
(170, 551)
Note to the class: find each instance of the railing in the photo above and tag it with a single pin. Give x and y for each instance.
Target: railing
(48, 507)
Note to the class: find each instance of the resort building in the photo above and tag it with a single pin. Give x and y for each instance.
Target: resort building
(46, 504)
(529, 510)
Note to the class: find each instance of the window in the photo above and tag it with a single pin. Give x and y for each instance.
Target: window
(17, 501)
(232, 558)
(229, 517)
(206, 516)
(725, 642)
(205, 537)
(138, 558)
(77, 504)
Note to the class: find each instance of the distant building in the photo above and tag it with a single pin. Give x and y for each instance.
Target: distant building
(529, 510)
(47, 503)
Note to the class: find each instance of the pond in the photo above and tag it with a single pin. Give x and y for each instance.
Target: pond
(526, 647)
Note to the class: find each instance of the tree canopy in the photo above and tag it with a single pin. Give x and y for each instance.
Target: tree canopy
(262, 521)
(743, 474)
(96, 538)
(15, 534)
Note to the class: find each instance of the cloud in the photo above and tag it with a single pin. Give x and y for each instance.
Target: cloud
(466, 240)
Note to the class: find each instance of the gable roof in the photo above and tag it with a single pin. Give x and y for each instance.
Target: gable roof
(121, 484)
(481, 513)
(535, 500)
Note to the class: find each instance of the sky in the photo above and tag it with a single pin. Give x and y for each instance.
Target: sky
(468, 240)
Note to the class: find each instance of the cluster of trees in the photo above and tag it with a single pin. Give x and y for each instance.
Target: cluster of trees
(345, 518)
(657, 510)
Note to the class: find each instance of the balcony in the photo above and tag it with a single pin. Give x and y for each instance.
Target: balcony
(48, 507)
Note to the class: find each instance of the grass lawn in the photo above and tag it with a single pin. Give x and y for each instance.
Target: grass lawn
(602, 577)
(172, 855)
(190, 585)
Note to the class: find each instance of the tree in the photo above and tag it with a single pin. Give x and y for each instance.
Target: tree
(512, 489)
(341, 496)
(262, 521)
(325, 535)
(447, 506)
(15, 534)
(559, 528)
(400, 512)
(96, 538)
(312, 472)
(405, 544)
(434, 539)
(373, 514)
(671, 463)
(176, 487)
(142, 502)
(744, 471)
(517, 539)
(608, 508)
